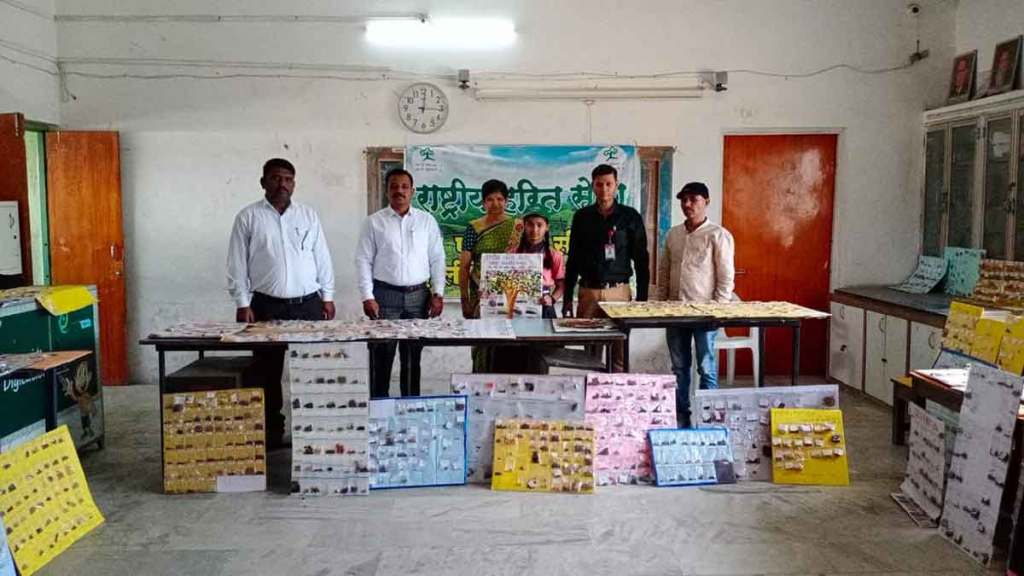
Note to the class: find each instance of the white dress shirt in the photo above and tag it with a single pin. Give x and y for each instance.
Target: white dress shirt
(697, 266)
(280, 255)
(400, 250)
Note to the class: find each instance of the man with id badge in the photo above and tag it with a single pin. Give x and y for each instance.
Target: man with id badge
(279, 268)
(607, 244)
(400, 267)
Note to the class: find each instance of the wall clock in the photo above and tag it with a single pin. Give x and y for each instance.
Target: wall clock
(423, 108)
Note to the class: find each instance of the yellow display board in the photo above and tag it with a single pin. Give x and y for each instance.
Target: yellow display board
(45, 499)
(1011, 349)
(988, 335)
(543, 456)
(65, 299)
(958, 333)
(809, 447)
(213, 436)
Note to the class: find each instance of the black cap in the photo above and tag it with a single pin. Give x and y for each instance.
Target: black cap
(697, 188)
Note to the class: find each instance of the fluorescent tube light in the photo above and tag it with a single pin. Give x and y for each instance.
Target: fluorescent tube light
(442, 34)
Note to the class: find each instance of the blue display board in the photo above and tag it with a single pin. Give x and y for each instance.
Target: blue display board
(416, 442)
(691, 456)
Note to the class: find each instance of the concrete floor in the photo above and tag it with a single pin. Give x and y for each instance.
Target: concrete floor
(751, 528)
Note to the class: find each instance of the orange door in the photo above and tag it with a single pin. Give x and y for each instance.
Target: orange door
(777, 202)
(83, 179)
(14, 172)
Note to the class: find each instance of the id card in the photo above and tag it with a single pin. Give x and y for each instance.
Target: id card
(609, 251)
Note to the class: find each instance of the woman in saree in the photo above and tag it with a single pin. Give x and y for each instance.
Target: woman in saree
(493, 233)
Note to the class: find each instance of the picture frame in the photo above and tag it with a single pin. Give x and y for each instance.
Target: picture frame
(961, 78)
(1005, 67)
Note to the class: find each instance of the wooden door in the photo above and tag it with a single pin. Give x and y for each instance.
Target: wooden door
(83, 178)
(777, 202)
(14, 174)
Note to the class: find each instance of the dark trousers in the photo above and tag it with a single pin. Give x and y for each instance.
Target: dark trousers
(270, 361)
(397, 304)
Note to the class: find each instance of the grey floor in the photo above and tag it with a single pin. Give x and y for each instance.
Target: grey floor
(740, 529)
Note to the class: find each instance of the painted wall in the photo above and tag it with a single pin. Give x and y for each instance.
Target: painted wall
(981, 24)
(28, 47)
(191, 149)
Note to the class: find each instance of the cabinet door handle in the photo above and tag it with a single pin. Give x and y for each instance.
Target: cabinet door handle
(881, 324)
(842, 312)
(933, 341)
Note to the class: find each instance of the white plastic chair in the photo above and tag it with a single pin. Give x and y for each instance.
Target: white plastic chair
(731, 344)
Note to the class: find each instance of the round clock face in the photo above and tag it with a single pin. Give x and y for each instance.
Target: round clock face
(423, 108)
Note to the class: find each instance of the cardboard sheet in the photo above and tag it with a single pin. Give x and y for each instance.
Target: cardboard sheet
(719, 310)
(963, 268)
(988, 335)
(543, 456)
(59, 300)
(958, 332)
(213, 435)
(1011, 349)
(417, 442)
(330, 411)
(809, 447)
(623, 408)
(925, 480)
(511, 285)
(746, 412)
(46, 500)
(687, 457)
(929, 272)
(977, 473)
(493, 396)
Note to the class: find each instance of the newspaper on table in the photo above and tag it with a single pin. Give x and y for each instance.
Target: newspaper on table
(622, 409)
(309, 331)
(746, 412)
(926, 464)
(977, 473)
(330, 419)
(710, 310)
(929, 272)
(417, 441)
(953, 377)
(511, 285)
(493, 396)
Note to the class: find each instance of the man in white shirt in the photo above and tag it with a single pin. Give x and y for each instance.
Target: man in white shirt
(400, 249)
(696, 265)
(279, 268)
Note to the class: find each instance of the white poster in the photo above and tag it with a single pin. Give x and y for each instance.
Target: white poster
(511, 285)
(746, 412)
(493, 396)
(926, 463)
(977, 473)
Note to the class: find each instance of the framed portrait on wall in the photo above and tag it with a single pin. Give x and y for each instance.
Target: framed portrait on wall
(961, 81)
(1005, 64)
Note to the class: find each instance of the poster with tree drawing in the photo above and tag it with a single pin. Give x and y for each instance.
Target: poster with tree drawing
(511, 285)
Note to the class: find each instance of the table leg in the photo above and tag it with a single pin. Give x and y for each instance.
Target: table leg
(202, 354)
(369, 352)
(625, 353)
(609, 366)
(796, 354)
(161, 372)
(760, 357)
(899, 418)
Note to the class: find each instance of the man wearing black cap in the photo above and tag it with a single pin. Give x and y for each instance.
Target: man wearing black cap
(608, 242)
(695, 266)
